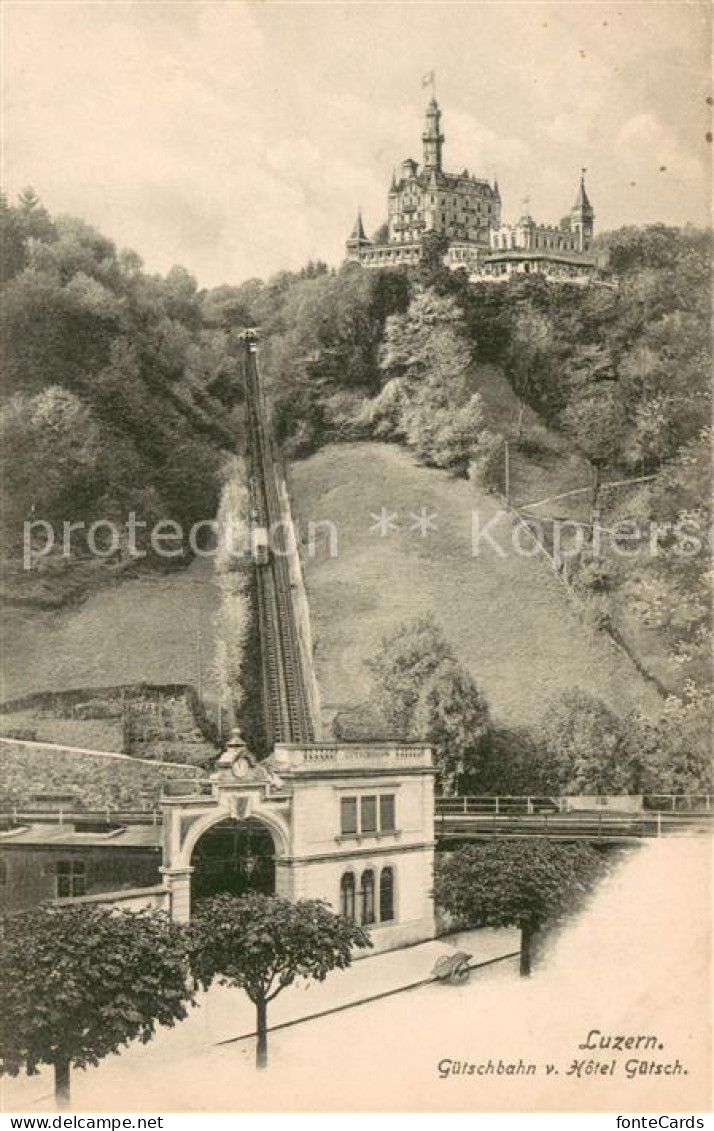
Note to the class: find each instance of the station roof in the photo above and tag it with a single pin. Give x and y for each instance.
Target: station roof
(68, 835)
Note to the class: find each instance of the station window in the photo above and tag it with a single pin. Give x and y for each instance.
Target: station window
(367, 898)
(347, 896)
(368, 814)
(386, 813)
(71, 879)
(386, 895)
(367, 905)
(348, 815)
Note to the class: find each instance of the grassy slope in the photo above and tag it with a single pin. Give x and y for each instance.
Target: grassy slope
(508, 619)
(140, 630)
(551, 468)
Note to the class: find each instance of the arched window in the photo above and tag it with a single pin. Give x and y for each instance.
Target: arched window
(386, 895)
(367, 894)
(347, 896)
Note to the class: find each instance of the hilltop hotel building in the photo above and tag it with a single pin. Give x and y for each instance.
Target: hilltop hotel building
(467, 209)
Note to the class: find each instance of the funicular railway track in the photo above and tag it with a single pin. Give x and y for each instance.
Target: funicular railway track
(286, 704)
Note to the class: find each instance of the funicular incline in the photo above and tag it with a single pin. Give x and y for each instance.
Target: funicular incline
(287, 713)
(287, 705)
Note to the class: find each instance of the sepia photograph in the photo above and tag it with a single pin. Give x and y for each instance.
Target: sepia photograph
(356, 593)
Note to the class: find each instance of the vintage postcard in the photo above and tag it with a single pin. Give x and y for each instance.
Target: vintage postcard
(355, 726)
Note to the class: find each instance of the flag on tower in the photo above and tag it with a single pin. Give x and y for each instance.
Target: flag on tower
(428, 79)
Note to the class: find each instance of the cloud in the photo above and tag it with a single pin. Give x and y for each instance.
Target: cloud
(240, 138)
(644, 141)
(474, 146)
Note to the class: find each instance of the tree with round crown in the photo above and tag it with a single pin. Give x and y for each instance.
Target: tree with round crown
(80, 982)
(263, 943)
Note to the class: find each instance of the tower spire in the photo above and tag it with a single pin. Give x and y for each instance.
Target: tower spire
(358, 239)
(582, 203)
(432, 137)
(358, 230)
(582, 216)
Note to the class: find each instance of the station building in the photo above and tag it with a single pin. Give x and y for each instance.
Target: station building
(352, 824)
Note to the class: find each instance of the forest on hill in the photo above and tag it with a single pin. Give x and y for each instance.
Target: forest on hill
(122, 393)
(618, 375)
(117, 396)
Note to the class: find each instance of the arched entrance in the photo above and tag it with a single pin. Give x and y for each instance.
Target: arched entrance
(233, 856)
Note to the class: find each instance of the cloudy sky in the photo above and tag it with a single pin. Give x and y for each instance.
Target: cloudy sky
(239, 138)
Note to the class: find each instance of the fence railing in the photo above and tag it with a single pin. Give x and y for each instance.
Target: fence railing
(535, 804)
(487, 813)
(598, 826)
(12, 816)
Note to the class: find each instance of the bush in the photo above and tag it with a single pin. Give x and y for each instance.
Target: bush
(486, 465)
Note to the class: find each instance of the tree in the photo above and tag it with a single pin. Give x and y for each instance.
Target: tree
(51, 454)
(453, 717)
(424, 694)
(81, 982)
(381, 235)
(432, 270)
(231, 307)
(428, 398)
(595, 415)
(669, 589)
(587, 750)
(262, 944)
(530, 354)
(442, 423)
(34, 217)
(322, 335)
(514, 763)
(425, 339)
(407, 659)
(521, 883)
(652, 246)
(675, 747)
(12, 242)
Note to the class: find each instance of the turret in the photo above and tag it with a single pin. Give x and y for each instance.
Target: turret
(582, 218)
(357, 240)
(496, 204)
(432, 137)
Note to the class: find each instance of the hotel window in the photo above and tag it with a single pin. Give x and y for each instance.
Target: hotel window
(367, 894)
(347, 896)
(386, 895)
(348, 815)
(71, 879)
